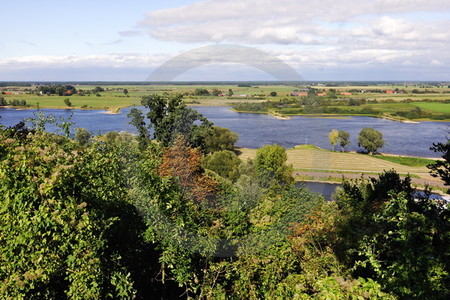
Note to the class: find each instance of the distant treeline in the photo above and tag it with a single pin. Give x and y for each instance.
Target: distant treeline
(13, 102)
(424, 84)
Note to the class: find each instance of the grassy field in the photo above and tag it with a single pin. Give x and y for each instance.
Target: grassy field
(407, 161)
(434, 107)
(314, 159)
(114, 99)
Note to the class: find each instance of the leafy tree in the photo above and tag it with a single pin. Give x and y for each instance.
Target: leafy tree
(125, 91)
(40, 121)
(273, 94)
(3, 101)
(343, 139)
(82, 136)
(271, 168)
(314, 243)
(395, 237)
(170, 117)
(67, 102)
(441, 168)
(184, 164)
(98, 89)
(230, 93)
(62, 218)
(224, 162)
(65, 125)
(138, 121)
(201, 92)
(312, 92)
(216, 92)
(219, 138)
(370, 139)
(333, 136)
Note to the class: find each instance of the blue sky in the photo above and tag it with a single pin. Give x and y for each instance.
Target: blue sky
(322, 40)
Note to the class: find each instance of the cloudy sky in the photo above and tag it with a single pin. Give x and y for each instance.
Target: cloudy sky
(321, 40)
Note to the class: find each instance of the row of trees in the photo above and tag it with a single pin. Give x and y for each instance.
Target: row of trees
(60, 90)
(68, 90)
(368, 138)
(214, 92)
(14, 102)
(178, 214)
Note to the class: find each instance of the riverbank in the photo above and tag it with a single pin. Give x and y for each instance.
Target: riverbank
(436, 186)
(343, 116)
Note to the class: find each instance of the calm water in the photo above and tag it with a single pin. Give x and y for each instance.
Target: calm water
(329, 189)
(326, 189)
(256, 130)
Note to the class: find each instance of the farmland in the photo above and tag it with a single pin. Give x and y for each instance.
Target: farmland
(324, 165)
(395, 101)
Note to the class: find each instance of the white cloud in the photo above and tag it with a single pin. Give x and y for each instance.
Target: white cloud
(73, 61)
(356, 28)
(313, 64)
(130, 33)
(436, 62)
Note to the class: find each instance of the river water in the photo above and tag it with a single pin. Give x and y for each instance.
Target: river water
(328, 190)
(256, 130)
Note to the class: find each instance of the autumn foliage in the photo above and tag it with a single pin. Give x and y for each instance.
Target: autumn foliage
(183, 163)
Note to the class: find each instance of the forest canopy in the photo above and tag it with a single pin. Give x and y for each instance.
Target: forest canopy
(178, 214)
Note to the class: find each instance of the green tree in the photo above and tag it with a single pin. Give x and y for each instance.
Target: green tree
(61, 91)
(125, 91)
(271, 167)
(67, 102)
(98, 89)
(138, 121)
(395, 236)
(344, 139)
(82, 136)
(201, 92)
(370, 139)
(63, 221)
(225, 163)
(65, 125)
(230, 93)
(333, 136)
(441, 168)
(273, 94)
(40, 120)
(216, 92)
(170, 117)
(219, 138)
(3, 101)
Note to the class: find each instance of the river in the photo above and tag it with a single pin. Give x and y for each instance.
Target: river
(328, 190)
(256, 130)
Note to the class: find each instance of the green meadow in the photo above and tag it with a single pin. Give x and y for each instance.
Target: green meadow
(401, 105)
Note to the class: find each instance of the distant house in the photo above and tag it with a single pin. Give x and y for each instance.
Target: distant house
(321, 94)
(221, 95)
(346, 94)
(299, 94)
(390, 92)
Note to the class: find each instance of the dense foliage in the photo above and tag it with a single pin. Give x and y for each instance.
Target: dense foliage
(123, 216)
(370, 139)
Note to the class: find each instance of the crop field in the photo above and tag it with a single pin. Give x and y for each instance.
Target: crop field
(434, 107)
(313, 158)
